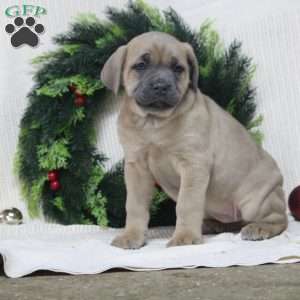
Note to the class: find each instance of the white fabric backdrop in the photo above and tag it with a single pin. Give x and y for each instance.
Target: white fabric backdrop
(269, 30)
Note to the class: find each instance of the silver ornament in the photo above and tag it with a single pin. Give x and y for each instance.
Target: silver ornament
(11, 216)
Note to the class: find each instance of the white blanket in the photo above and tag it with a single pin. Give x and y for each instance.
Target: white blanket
(82, 249)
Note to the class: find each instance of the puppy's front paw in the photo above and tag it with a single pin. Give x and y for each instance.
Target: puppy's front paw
(129, 240)
(256, 232)
(184, 237)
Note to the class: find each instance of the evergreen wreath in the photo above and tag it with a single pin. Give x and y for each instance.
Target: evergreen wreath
(58, 165)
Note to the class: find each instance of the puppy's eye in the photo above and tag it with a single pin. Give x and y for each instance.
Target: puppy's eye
(140, 66)
(178, 69)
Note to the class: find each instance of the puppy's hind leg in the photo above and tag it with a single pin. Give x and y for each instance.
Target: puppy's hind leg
(267, 220)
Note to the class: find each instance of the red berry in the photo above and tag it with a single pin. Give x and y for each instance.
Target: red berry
(53, 175)
(54, 185)
(294, 203)
(79, 101)
(72, 88)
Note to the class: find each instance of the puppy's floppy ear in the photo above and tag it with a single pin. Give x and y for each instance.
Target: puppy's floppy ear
(111, 74)
(193, 64)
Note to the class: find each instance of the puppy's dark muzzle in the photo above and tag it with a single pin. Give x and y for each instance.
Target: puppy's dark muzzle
(157, 94)
(156, 104)
(160, 88)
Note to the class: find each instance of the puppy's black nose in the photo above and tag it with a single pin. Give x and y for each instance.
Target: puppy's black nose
(160, 87)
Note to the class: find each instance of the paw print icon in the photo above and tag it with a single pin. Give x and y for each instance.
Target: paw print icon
(24, 32)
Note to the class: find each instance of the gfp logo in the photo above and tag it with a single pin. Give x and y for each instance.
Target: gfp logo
(25, 29)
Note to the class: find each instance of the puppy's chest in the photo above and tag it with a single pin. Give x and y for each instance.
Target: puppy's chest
(162, 166)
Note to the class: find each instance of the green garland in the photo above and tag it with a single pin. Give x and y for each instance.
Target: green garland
(57, 130)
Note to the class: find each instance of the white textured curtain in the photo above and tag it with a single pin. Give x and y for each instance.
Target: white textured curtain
(269, 30)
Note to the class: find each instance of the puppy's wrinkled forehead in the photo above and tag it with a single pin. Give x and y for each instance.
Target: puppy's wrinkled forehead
(157, 47)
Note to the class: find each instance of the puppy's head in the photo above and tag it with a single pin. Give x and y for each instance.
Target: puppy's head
(155, 69)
